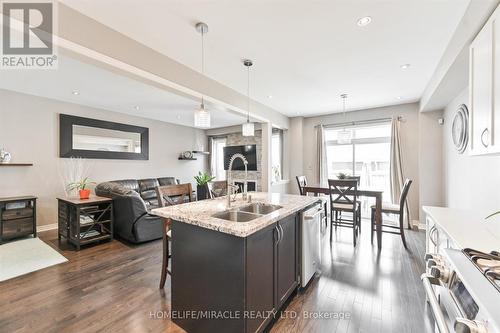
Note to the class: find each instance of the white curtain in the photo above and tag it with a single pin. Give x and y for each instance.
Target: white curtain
(211, 158)
(397, 176)
(322, 166)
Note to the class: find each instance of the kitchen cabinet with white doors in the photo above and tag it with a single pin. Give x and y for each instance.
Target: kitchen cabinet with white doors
(484, 125)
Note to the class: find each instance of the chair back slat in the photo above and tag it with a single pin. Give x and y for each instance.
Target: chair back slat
(356, 178)
(343, 191)
(174, 194)
(301, 182)
(404, 194)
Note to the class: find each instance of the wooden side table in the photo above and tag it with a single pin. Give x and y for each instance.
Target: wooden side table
(85, 221)
(17, 217)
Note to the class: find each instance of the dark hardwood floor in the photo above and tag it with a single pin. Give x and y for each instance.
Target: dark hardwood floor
(113, 287)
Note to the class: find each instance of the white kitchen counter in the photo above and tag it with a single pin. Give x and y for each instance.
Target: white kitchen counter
(467, 229)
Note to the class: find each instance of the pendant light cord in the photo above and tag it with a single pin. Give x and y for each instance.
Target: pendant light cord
(344, 96)
(202, 61)
(248, 94)
(343, 100)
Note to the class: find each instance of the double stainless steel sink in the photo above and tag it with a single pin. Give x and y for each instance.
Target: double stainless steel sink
(247, 213)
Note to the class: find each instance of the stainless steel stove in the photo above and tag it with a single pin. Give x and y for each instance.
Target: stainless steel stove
(463, 290)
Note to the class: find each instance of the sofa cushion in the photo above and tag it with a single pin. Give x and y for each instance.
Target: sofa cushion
(112, 189)
(147, 188)
(130, 184)
(168, 181)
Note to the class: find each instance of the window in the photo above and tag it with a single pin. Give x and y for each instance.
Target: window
(367, 156)
(217, 158)
(277, 154)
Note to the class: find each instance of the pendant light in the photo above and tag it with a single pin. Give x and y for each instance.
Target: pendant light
(344, 136)
(248, 128)
(201, 115)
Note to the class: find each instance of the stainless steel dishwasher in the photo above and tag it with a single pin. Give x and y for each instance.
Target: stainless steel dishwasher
(310, 228)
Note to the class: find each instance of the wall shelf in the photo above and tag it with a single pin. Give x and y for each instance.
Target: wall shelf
(16, 164)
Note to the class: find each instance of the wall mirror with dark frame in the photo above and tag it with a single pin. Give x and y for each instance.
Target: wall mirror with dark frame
(93, 138)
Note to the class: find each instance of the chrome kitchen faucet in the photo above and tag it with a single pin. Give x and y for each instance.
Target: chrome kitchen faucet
(230, 185)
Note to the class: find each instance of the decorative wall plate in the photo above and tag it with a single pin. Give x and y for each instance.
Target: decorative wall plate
(460, 128)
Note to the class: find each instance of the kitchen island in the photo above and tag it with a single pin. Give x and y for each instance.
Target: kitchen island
(230, 276)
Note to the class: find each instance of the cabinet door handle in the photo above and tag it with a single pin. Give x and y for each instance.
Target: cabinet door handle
(486, 142)
(281, 228)
(277, 234)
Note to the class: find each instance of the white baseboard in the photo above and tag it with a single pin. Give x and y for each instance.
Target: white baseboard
(46, 227)
(420, 226)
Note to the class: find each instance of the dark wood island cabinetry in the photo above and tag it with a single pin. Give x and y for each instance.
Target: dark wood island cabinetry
(234, 265)
(239, 282)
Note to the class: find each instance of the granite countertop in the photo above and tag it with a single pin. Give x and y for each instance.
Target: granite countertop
(200, 212)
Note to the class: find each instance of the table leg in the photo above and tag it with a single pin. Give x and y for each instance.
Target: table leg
(378, 220)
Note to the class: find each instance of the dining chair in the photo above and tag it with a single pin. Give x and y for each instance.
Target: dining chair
(302, 183)
(394, 209)
(217, 189)
(169, 195)
(358, 179)
(344, 198)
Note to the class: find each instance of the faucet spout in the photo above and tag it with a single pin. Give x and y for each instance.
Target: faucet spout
(230, 185)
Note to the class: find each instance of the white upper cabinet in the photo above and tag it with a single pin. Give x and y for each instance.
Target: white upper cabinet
(485, 89)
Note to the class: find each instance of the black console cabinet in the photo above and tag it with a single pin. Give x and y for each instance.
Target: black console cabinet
(17, 217)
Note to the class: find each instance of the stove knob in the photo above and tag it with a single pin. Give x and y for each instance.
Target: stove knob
(463, 325)
(440, 272)
(432, 256)
(431, 263)
(428, 256)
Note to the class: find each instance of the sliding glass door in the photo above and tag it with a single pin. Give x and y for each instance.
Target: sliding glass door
(367, 156)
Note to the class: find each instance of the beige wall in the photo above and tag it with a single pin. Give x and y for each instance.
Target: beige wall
(430, 161)
(470, 182)
(29, 130)
(409, 137)
(296, 152)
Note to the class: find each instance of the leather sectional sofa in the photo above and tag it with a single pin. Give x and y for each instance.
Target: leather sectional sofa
(132, 201)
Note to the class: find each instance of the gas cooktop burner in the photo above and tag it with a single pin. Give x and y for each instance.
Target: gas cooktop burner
(487, 263)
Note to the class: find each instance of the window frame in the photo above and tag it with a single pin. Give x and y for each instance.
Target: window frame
(355, 141)
(213, 160)
(276, 132)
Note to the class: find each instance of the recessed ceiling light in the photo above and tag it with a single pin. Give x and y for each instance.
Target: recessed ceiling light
(364, 21)
(399, 97)
(178, 117)
(269, 96)
(137, 107)
(75, 92)
(405, 66)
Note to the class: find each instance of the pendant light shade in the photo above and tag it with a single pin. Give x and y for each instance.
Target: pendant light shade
(201, 115)
(248, 128)
(344, 136)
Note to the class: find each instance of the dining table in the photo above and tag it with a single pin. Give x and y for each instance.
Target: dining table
(317, 189)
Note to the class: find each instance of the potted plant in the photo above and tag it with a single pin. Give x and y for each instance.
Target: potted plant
(81, 186)
(343, 175)
(202, 180)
